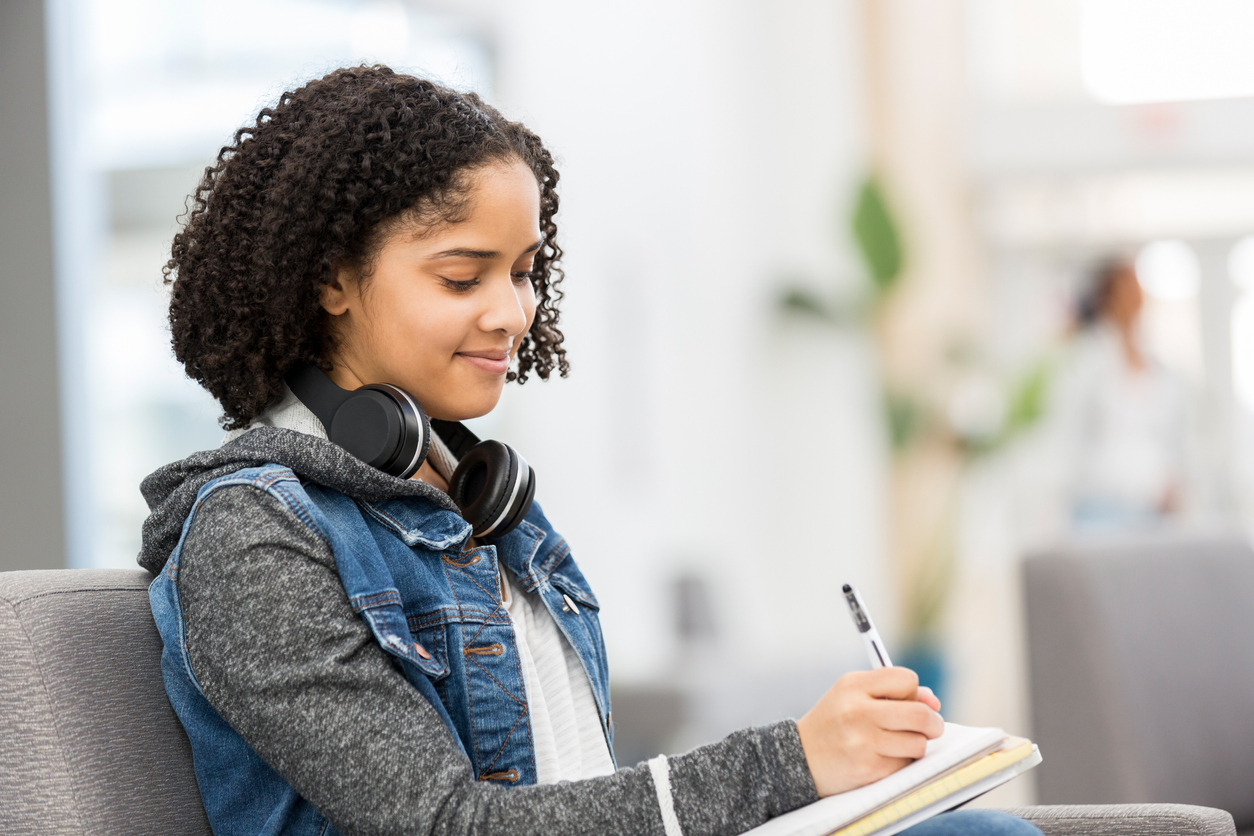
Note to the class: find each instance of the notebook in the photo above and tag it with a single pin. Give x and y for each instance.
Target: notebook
(962, 763)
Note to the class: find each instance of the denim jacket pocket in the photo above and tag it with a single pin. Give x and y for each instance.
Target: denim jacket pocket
(386, 618)
(431, 632)
(579, 592)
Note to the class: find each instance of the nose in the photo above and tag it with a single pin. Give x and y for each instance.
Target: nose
(505, 306)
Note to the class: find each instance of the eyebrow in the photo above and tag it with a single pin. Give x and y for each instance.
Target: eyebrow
(468, 253)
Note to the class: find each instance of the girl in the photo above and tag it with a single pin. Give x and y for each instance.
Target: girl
(346, 652)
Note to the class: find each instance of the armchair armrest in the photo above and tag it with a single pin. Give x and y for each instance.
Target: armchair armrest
(1127, 820)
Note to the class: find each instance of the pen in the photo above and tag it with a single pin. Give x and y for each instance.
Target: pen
(870, 636)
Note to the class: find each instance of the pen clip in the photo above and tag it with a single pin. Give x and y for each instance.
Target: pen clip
(855, 609)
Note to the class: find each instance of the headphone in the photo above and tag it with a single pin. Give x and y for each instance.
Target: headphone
(384, 426)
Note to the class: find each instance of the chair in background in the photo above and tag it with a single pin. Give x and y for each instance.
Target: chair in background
(1141, 657)
(90, 745)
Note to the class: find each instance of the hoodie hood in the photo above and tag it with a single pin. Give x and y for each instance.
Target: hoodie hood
(171, 491)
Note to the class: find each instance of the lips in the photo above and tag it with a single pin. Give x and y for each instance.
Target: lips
(492, 361)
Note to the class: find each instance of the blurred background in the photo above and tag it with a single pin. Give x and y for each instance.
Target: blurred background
(882, 292)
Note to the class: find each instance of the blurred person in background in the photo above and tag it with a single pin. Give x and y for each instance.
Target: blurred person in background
(1124, 414)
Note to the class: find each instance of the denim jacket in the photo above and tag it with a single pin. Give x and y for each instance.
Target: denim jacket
(431, 601)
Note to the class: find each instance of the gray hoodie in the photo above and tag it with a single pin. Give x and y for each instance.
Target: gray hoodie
(280, 654)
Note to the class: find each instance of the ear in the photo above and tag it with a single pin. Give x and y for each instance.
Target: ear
(337, 295)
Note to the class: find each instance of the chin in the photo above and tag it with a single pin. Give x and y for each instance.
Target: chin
(465, 410)
(462, 398)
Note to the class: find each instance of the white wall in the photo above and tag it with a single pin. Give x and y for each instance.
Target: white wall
(708, 149)
(709, 152)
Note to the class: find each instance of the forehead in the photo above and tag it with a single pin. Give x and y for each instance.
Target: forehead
(505, 187)
(497, 201)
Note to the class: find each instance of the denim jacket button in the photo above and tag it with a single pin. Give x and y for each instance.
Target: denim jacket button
(570, 605)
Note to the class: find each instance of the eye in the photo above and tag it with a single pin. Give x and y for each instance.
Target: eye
(520, 277)
(459, 287)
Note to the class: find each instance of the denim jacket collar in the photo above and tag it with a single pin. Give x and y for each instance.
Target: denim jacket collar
(171, 491)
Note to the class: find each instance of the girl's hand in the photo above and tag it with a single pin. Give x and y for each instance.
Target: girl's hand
(868, 725)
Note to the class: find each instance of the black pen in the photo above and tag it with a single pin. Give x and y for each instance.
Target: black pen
(870, 636)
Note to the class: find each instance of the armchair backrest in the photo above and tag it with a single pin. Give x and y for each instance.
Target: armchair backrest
(88, 741)
(1141, 655)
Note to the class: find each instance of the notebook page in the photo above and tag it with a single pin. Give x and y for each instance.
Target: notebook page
(955, 745)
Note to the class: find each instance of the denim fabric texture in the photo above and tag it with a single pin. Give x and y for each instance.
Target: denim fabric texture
(241, 793)
(431, 601)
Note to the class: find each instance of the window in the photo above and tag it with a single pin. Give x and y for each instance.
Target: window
(1164, 50)
(145, 93)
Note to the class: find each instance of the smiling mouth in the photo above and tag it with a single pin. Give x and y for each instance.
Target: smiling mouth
(492, 362)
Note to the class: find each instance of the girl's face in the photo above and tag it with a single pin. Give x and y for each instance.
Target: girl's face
(446, 307)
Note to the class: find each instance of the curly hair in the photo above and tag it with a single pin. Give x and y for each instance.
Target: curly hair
(320, 179)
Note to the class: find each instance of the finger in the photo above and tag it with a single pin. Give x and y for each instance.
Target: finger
(897, 744)
(907, 716)
(891, 683)
(928, 698)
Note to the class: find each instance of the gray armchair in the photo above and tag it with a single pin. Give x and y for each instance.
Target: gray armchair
(88, 740)
(1141, 655)
(89, 744)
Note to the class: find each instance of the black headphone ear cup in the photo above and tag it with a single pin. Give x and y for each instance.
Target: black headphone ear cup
(493, 486)
(369, 426)
(415, 440)
(522, 504)
(384, 427)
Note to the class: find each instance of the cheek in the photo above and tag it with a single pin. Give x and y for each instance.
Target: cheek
(419, 334)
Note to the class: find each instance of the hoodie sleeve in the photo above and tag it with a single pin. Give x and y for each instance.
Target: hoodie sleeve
(280, 654)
